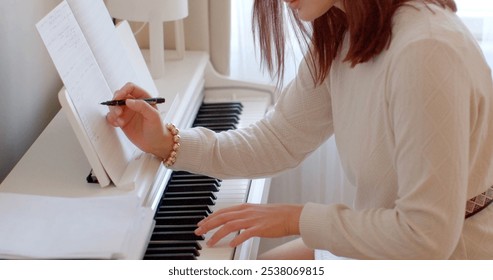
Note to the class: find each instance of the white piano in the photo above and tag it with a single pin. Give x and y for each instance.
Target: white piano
(56, 167)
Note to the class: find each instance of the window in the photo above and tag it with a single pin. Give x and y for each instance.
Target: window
(478, 16)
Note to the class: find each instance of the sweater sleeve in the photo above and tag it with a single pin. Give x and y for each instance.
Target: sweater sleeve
(300, 122)
(428, 91)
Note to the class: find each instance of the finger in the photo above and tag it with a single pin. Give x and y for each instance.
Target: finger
(225, 230)
(114, 119)
(131, 91)
(243, 236)
(111, 119)
(125, 92)
(114, 112)
(216, 213)
(216, 220)
(143, 108)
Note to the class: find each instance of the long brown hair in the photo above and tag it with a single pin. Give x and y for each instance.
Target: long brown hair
(369, 23)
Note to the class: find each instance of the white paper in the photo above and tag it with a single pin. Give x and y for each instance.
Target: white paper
(96, 24)
(87, 86)
(42, 227)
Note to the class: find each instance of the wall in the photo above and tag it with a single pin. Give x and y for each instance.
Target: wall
(28, 80)
(207, 28)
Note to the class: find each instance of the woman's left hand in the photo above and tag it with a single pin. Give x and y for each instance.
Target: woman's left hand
(261, 220)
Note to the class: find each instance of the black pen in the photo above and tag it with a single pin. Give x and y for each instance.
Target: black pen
(121, 102)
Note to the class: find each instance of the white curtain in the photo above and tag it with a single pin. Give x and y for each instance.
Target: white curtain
(478, 16)
(320, 177)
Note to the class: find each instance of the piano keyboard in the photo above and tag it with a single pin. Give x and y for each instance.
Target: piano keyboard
(188, 198)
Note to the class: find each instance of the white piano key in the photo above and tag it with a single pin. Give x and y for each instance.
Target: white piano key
(220, 251)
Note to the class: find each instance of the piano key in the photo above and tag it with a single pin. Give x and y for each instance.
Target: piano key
(186, 173)
(188, 180)
(156, 251)
(220, 251)
(211, 119)
(190, 194)
(174, 243)
(206, 111)
(217, 125)
(188, 201)
(207, 105)
(178, 220)
(193, 187)
(176, 235)
(206, 208)
(165, 213)
(178, 256)
(235, 118)
(222, 104)
(168, 228)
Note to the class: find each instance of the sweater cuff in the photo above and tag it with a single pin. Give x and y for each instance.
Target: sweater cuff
(310, 221)
(190, 150)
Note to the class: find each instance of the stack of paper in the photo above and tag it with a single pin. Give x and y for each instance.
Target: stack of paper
(40, 227)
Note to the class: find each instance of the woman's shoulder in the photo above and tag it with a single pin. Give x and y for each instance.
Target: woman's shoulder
(417, 21)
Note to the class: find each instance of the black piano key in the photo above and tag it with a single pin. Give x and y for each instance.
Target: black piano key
(218, 117)
(205, 208)
(205, 122)
(156, 251)
(176, 235)
(174, 243)
(185, 194)
(200, 200)
(193, 187)
(188, 175)
(204, 112)
(219, 109)
(178, 220)
(222, 105)
(165, 213)
(171, 228)
(211, 116)
(197, 181)
(178, 256)
(220, 129)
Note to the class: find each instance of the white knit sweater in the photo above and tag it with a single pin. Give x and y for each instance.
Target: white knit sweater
(414, 130)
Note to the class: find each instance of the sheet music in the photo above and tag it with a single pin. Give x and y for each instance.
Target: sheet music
(96, 24)
(86, 86)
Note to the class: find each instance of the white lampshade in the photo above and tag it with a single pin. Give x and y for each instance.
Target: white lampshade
(155, 12)
(144, 10)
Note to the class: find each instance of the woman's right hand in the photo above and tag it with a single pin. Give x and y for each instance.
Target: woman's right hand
(140, 121)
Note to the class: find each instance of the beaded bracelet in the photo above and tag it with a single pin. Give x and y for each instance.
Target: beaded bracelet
(176, 139)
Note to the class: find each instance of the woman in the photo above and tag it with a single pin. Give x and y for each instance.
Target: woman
(407, 93)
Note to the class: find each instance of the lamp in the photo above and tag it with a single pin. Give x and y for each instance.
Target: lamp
(155, 12)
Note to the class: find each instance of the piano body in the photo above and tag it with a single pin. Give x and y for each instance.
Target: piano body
(55, 165)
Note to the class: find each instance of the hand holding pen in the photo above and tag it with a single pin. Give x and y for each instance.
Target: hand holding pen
(140, 120)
